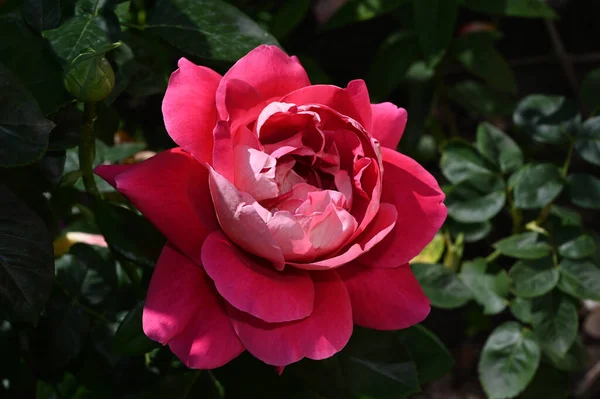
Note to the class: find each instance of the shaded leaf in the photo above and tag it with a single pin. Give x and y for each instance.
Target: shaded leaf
(534, 278)
(587, 141)
(512, 8)
(42, 14)
(537, 185)
(460, 162)
(523, 246)
(584, 190)
(480, 99)
(555, 322)
(441, 285)
(574, 360)
(488, 290)
(353, 11)
(431, 356)
(521, 309)
(575, 245)
(580, 278)
(472, 232)
(497, 147)
(209, 29)
(590, 87)
(130, 338)
(435, 21)
(548, 383)
(509, 360)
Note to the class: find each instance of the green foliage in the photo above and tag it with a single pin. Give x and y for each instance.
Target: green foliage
(509, 360)
(441, 285)
(524, 246)
(534, 278)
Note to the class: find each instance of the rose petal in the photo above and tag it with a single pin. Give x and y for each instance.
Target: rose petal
(376, 231)
(421, 211)
(189, 108)
(171, 190)
(389, 122)
(322, 334)
(110, 172)
(353, 101)
(182, 309)
(269, 70)
(384, 299)
(242, 222)
(256, 288)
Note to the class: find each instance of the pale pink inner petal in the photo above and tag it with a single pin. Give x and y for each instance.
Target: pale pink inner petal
(255, 172)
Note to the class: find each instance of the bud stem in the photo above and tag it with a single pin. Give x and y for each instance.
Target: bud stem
(87, 149)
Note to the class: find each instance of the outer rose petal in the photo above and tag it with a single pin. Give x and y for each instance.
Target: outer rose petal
(384, 299)
(353, 101)
(241, 222)
(324, 333)
(389, 122)
(376, 231)
(254, 288)
(189, 108)
(421, 211)
(182, 309)
(170, 189)
(269, 70)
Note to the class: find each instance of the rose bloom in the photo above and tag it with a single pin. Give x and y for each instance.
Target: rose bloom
(289, 215)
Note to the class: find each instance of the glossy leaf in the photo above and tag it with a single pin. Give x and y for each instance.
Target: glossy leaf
(523, 246)
(587, 142)
(555, 322)
(24, 131)
(537, 185)
(574, 245)
(574, 360)
(534, 278)
(509, 360)
(476, 52)
(460, 162)
(521, 309)
(580, 278)
(26, 260)
(512, 8)
(488, 290)
(477, 209)
(210, 29)
(548, 119)
(472, 232)
(497, 147)
(435, 21)
(441, 285)
(81, 32)
(584, 190)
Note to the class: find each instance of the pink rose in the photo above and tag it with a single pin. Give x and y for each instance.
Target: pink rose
(289, 214)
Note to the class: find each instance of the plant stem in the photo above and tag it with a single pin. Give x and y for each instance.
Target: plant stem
(87, 149)
(565, 167)
(515, 213)
(493, 256)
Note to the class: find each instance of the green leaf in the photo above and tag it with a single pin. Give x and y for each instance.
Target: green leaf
(477, 209)
(488, 290)
(432, 252)
(288, 17)
(431, 356)
(353, 11)
(29, 57)
(435, 21)
(512, 8)
(26, 260)
(391, 63)
(480, 99)
(567, 217)
(587, 141)
(476, 52)
(548, 383)
(580, 278)
(537, 185)
(376, 364)
(441, 285)
(574, 245)
(555, 322)
(523, 246)
(130, 338)
(129, 234)
(80, 33)
(460, 162)
(509, 360)
(498, 148)
(42, 14)
(589, 90)
(521, 309)
(534, 278)
(574, 360)
(584, 190)
(472, 232)
(209, 29)
(24, 131)
(548, 119)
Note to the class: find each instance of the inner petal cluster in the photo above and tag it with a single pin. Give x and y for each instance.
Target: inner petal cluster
(311, 174)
